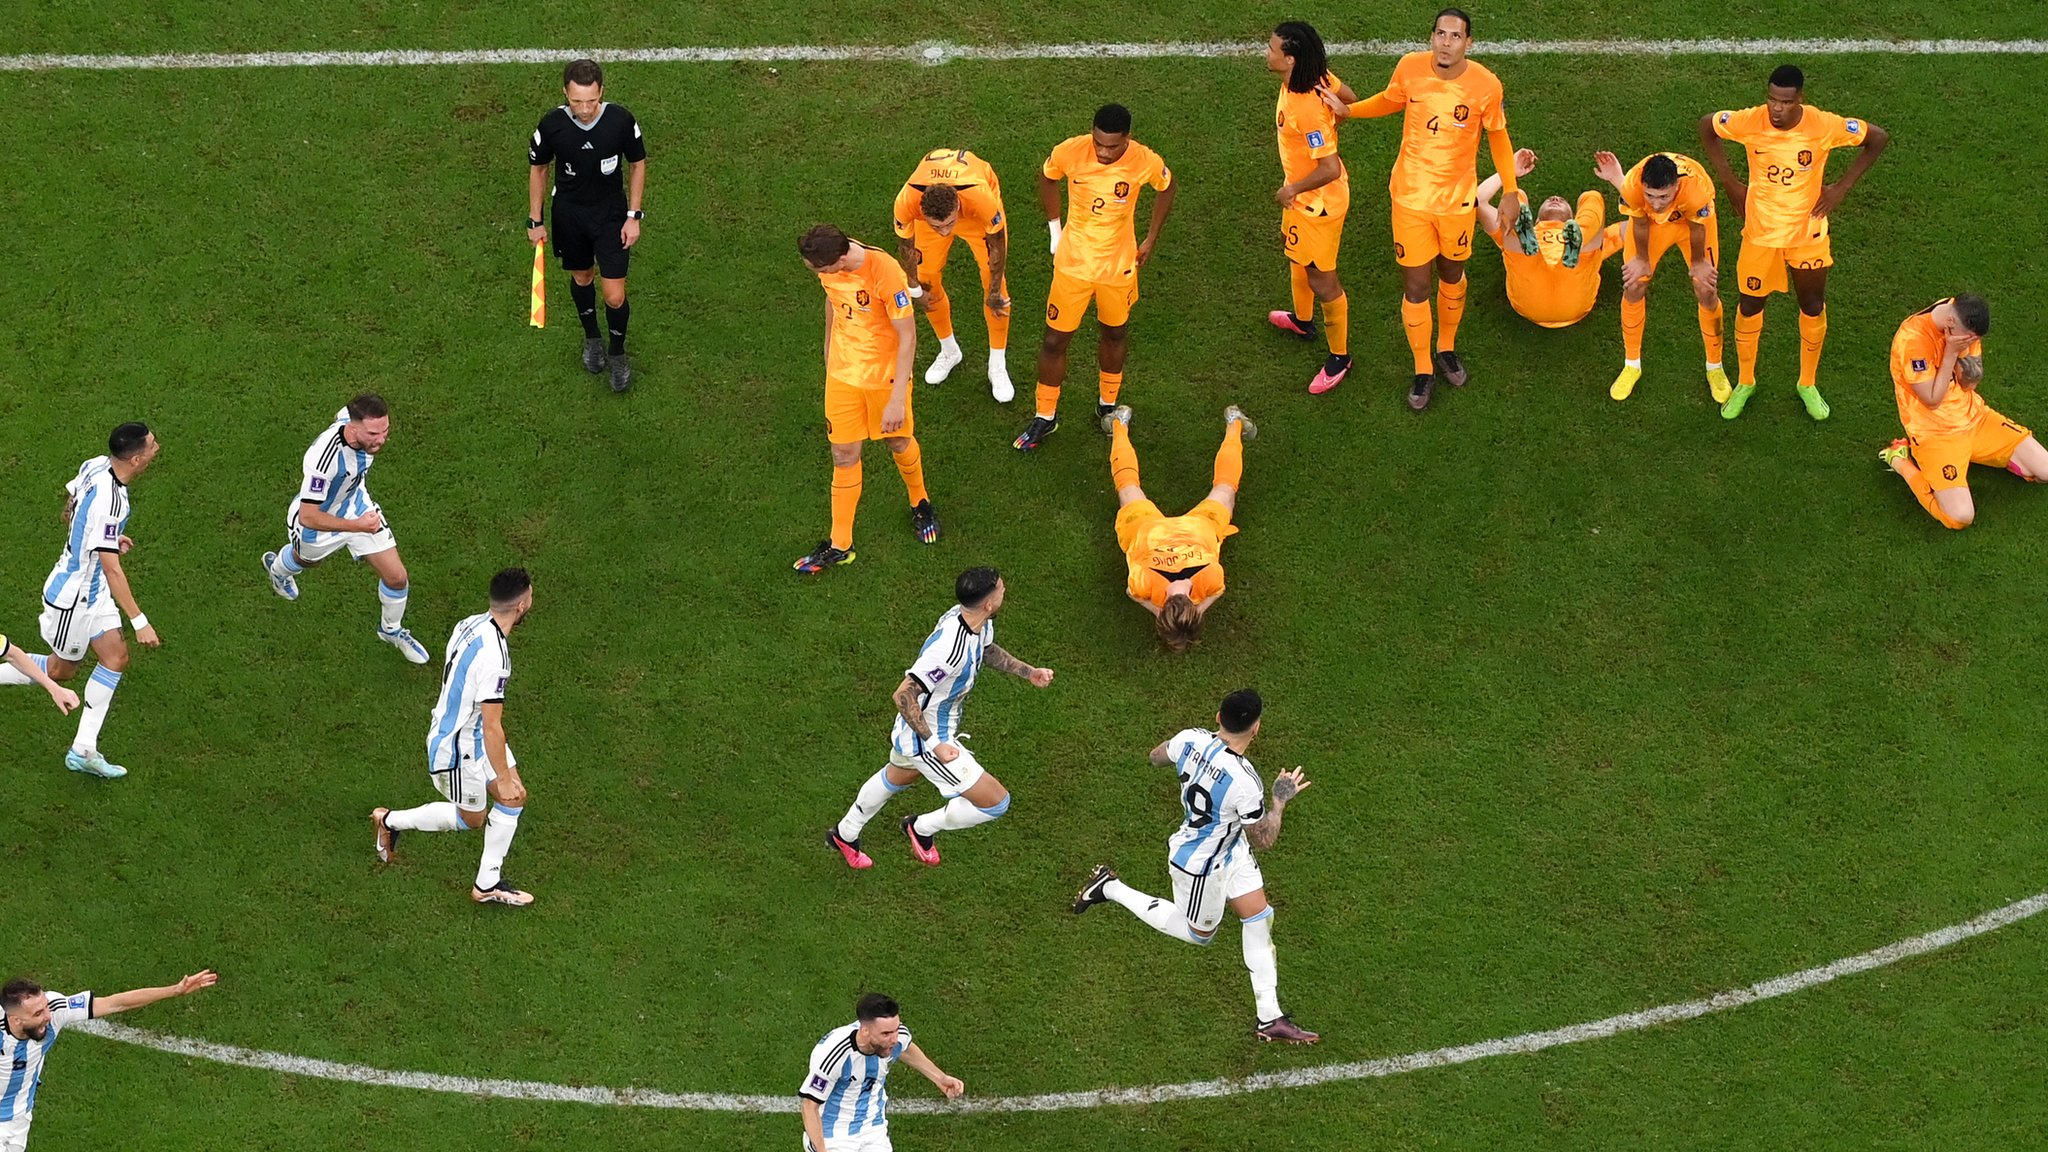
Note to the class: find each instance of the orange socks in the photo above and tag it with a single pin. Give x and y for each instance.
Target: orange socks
(1813, 332)
(910, 462)
(1749, 332)
(1111, 383)
(1710, 332)
(1048, 400)
(1304, 296)
(1230, 457)
(1924, 492)
(1633, 315)
(940, 311)
(1450, 309)
(1336, 324)
(845, 498)
(998, 326)
(1123, 459)
(1415, 320)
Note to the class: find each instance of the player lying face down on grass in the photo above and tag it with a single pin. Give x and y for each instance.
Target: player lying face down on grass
(1174, 563)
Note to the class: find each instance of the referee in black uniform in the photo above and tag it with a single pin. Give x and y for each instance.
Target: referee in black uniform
(593, 145)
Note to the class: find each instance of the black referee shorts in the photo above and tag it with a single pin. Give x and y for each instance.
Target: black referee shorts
(586, 233)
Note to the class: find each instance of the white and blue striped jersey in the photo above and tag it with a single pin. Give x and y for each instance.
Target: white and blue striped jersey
(1220, 793)
(848, 1084)
(99, 515)
(473, 675)
(945, 670)
(21, 1059)
(334, 477)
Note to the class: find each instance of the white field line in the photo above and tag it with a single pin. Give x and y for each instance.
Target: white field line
(940, 52)
(1101, 1097)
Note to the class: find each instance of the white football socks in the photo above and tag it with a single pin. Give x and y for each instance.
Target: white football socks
(950, 346)
(874, 793)
(1263, 964)
(958, 813)
(1160, 914)
(393, 600)
(99, 696)
(499, 828)
(440, 816)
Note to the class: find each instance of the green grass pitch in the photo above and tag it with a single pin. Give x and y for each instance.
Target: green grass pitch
(1607, 705)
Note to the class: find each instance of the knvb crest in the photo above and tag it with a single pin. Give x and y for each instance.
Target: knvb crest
(1123, 189)
(1462, 113)
(861, 298)
(1806, 157)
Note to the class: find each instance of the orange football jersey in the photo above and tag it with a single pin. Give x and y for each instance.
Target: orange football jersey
(1786, 170)
(981, 197)
(1308, 132)
(865, 303)
(1916, 357)
(1695, 192)
(1438, 168)
(1175, 544)
(1100, 241)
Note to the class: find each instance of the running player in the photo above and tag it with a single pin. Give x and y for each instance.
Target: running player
(1447, 99)
(1785, 209)
(1095, 256)
(34, 1019)
(333, 511)
(27, 668)
(1553, 258)
(1210, 857)
(468, 759)
(870, 347)
(953, 193)
(844, 1098)
(600, 170)
(1937, 363)
(1315, 197)
(1174, 564)
(1669, 200)
(88, 591)
(926, 740)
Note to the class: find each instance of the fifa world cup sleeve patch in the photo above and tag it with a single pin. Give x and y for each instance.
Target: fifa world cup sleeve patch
(1919, 365)
(818, 1083)
(903, 299)
(1315, 139)
(319, 484)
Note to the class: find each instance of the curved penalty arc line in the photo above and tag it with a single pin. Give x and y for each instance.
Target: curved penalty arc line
(1101, 1097)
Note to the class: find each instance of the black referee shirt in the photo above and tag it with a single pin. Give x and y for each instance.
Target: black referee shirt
(590, 163)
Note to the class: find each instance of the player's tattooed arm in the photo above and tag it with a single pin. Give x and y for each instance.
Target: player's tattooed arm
(1286, 787)
(998, 262)
(1000, 660)
(910, 705)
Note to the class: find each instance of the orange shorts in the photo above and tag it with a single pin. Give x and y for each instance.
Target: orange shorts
(855, 414)
(1946, 460)
(1420, 237)
(1069, 297)
(932, 250)
(1138, 513)
(1761, 270)
(1312, 238)
(1665, 236)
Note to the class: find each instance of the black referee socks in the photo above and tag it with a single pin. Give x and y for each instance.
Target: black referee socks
(585, 296)
(615, 319)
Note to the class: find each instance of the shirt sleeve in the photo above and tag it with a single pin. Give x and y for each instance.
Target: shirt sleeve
(1318, 130)
(315, 483)
(1397, 84)
(909, 205)
(5, 647)
(903, 1043)
(1158, 174)
(1178, 744)
(1248, 800)
(1147, 585)
(635, 149)
(67, 1010)
(1848, 132)
(1632, 203)
(102, 527)
(986, 204)
(1912, 361)
(894, 288)
(488, 677)
(937, 665)
(1733, 125)
(1495, 118)
(539, 152)
(818, 1079)
(1056, 162)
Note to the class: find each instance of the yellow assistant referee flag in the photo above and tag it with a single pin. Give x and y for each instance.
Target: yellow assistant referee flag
(539, 318)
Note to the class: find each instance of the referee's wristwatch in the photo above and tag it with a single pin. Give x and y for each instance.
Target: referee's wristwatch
(531, 223)
(635, 214)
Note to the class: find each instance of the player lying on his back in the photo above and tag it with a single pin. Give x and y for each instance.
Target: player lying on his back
(1174, 564)
(1316, 196)
(1785, 210)
(23, 667)
(1552, 256)
(1225, 816)
(926, 739)
(1668, 200)
(1937, 363)
(333, 511)
(954, 193)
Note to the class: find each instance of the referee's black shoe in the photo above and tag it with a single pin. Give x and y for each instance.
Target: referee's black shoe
(593, 355)
(622, 372)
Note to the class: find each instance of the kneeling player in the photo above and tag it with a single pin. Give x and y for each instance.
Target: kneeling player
(467, 757)
(1937, 362)
(1211, 855)
(1553, 259)
(926, 739)
(1175, 562)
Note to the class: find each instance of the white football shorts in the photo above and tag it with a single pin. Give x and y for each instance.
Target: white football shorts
(1201, 898)
(69, 631)
(467, 784)
(325, 544)
(866, 1140)
(951, 779)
